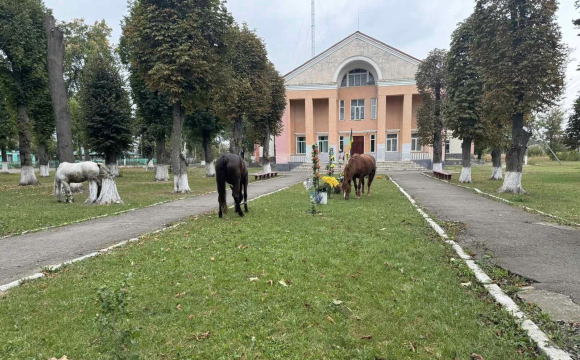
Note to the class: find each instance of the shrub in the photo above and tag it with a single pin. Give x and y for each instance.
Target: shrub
(569, 156)
(536, 150)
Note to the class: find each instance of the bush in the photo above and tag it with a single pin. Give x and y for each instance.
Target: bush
(569, 156)
(536, 150)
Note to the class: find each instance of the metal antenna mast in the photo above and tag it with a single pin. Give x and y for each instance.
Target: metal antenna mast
(313, 31)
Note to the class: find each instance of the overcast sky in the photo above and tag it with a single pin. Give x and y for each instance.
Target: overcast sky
(413, 26)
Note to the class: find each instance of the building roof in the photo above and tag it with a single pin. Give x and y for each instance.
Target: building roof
(355, 35)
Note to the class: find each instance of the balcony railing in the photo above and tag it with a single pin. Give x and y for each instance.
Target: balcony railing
(420, 156)
(298, 158)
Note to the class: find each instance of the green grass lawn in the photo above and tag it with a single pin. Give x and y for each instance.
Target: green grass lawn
(25, 208)
(366, 279)
(551, 187)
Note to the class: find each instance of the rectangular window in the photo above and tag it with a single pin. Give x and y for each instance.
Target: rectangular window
(357, 109)
(373, 141)
(323, 144)
(301, 145)
(341, 110)
(373, 108)
(341, 144)
(415, 143)
(392, 142)
(447, 146)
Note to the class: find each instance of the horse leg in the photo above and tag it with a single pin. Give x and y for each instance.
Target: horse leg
(57, 186)
(68, 192)
(236, 194)
(371, 178)
(355, 186)
(221, 187)
(246, 193)
(363, 184)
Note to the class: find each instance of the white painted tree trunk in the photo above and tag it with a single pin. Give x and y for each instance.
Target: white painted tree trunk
(512, 183)
(162, 172)
(203, 163)
(266, 168)
(465, 175)
(77, 188)
(44, 171)
(149, 165)
(27, 176)
(5, 167)
(210, 169)
(93, 192)
(109, 194)
(114, 169)
(438, 167)
(181, 184)
(496, 174)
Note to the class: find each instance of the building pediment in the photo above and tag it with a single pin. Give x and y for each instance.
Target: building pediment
(388, 65)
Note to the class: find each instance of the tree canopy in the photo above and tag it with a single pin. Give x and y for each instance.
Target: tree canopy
(572, 138)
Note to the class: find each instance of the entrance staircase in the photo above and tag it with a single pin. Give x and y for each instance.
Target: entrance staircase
(382, 167)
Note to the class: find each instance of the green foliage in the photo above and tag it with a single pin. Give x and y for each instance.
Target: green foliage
(464, 87)
(536, 150)
(176, 46)
(82, 41)
(550, 128)
(42, 116)
(270, 123)
(431, 82)
(518, 46)
(572, 155)
(23, 47)
(117, 334)
(7, 125)
(572, 138)
(105, 108)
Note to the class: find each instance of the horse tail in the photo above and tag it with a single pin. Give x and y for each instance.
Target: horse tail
(221, 169)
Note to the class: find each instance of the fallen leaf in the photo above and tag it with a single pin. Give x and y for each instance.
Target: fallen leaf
(336, 302)
(330, 319)
(387, 264)
(191, 317)
(62, 358)
(357, 318)
(467, 284)
(383, 229)
(202, 336)
(178, 307)
(212, 258)
(307, 306)
(178, 295)
(367, 337)
(270, 282)
(475, 356)
(282, 282)
(412, 347)
(254, 279)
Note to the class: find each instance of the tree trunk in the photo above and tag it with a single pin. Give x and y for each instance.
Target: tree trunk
(4, 159)
(266, 168)
(58, 91)
(111, 162)
(178, 163)
(162, 171)
(496, 162)
(109, 194)
(238, 140)
(87, 153)
(43, 160)
(437, 152)
(27, 176)
(465, 161)
(515, 157)
(208, 155)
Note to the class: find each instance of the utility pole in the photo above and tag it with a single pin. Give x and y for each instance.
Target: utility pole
(313, 30)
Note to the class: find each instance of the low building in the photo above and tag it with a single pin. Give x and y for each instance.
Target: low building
(359, 84)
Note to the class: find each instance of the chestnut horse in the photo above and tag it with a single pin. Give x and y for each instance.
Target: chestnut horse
(232, 169)
(358, 167)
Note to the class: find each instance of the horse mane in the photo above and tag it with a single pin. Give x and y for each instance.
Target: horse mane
(352, 164)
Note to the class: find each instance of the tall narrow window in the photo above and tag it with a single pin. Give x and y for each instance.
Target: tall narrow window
(373, 108)
(392, 142)
(341, 144)
(357, 109)
(341, 110)
(447, 146)
(323, 144)
(301, 145)
(373, 141)
(415, 143)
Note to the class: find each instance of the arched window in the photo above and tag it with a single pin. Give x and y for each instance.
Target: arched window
(357, 77)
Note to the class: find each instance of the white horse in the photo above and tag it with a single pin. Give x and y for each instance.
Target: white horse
(77, 173)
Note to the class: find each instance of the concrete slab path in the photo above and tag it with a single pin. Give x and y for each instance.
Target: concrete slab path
(521, 242)
(24, 255)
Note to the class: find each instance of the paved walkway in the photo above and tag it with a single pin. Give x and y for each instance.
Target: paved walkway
(24, 255)
(521, 242)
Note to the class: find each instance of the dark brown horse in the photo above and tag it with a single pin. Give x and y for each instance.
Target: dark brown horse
(232, 169)
(358, 167)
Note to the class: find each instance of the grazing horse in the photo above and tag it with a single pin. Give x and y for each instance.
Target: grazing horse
(358, 167)
(232, 169)
(77, 173)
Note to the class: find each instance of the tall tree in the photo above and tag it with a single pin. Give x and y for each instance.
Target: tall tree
(572, 139)
(177, 47)
(58, 91)
(464, 91)
(42, 115)
(7, 131)
(23, 64)
(550, 127)
(431, 82)
(204, 125)
(518, 44)
(249, 97)
(271, 123)
(106, 109)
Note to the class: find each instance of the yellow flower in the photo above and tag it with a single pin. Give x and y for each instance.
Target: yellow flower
(331, 181)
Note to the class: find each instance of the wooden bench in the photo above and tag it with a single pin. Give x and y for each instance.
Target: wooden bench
(265, 176)
(442, 175)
